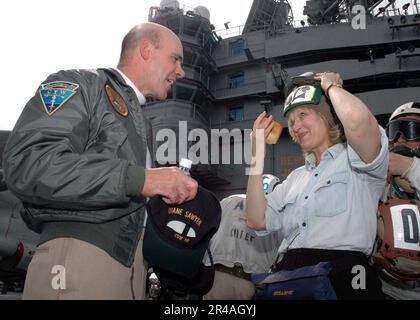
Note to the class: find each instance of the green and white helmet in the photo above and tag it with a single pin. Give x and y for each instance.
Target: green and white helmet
(310, 96)
(302, 96)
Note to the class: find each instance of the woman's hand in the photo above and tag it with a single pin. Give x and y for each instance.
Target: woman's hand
(261, 123)
(327, 79)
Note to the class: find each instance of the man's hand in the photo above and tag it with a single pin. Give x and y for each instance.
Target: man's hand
(171, 183)
(398, 164)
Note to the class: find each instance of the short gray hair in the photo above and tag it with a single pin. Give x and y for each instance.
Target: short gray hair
(138, 33)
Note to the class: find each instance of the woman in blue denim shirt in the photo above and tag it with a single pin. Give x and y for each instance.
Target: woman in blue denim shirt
(326, 209)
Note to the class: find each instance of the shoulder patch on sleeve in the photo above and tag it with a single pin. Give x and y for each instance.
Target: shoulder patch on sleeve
(55, 94)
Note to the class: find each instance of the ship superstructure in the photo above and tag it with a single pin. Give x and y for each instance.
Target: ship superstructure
(374, 45)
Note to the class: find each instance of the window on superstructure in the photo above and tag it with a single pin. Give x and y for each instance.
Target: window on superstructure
(237, 47)
(236, 80)
(190, 27)
(189, 57)
(184, 93)
(236, 113)
(173, 24)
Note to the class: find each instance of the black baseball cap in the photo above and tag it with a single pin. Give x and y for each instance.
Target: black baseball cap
(177, 236)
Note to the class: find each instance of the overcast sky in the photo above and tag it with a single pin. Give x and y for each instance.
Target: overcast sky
(40, 37)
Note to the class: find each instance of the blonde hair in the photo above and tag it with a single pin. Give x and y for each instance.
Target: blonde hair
(335, 130)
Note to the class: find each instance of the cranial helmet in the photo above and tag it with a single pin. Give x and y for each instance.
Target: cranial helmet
(269, 183)
(405, 109)
(309, 96)
(397, 247)
(410, 130)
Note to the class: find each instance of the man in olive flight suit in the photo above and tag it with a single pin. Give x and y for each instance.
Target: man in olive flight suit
(79, 159)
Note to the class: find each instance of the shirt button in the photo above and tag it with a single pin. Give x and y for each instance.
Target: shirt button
(329, 181)
(316, 174)
(304, 224)
(306, 197)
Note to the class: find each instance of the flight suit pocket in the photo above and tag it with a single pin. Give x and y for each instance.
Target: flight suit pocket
(330, 195)
(110, 139)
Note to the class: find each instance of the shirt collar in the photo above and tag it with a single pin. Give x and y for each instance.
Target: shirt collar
(331, 153)
(140, 96)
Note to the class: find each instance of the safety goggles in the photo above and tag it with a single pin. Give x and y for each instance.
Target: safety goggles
(409, 128)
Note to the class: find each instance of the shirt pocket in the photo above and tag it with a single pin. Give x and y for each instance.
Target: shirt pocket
(288, 206)
(330, 195)
(290, 218)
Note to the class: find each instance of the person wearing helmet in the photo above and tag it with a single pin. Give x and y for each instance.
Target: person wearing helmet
(403, 131)
(399, 259)
(326, 209)
(237, 251)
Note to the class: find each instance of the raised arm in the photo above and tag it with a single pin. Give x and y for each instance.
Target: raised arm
(255, 198)
(360, 126)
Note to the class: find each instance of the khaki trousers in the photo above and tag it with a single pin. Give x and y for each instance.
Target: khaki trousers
(229, 287)
(89, 273)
